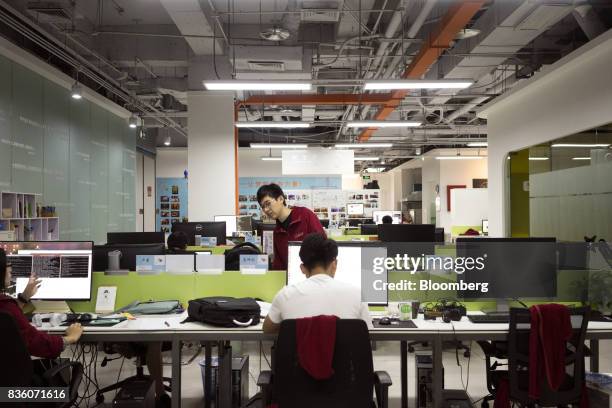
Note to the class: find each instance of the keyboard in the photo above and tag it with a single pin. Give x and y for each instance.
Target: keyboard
(489, 318)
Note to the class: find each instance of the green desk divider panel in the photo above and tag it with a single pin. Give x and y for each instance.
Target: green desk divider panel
(457, 230)
(352, 237)
(218, 250)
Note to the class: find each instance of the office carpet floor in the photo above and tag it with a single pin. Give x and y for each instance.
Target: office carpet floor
(386, 357)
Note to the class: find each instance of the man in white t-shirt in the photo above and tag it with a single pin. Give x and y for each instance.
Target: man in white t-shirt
(319, 294)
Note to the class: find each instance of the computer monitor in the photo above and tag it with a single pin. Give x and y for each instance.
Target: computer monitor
(354, 209)
(513, 267)
(324, 223)
(485, 226)
(235, 223)
(369, 229)
(64, 268)
(127, 261)
(204, 229)
(395, 215)
(407, 232)
(265, 226)
(355, 262)
(135, 238)
(439, 235)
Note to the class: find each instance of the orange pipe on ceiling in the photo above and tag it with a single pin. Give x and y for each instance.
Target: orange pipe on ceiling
(455, 19)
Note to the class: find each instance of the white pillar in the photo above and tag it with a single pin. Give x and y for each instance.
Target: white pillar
(211, 155)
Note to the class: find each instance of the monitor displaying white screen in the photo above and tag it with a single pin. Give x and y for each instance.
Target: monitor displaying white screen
(378, 216)
(63, 267)
(230, 223)
(355, 262)
(354, 209)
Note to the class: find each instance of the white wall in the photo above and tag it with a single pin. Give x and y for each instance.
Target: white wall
(469, 206)
(251, 165)
(149, 201)
(170, 162)
(138, 195)
(453, 172)
(387, 187)
(571, 96)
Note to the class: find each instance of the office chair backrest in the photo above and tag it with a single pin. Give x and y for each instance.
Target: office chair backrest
(518, 357)
(351, 385)
(17, 368)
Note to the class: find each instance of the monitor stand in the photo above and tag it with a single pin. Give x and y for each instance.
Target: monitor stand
(51, 306)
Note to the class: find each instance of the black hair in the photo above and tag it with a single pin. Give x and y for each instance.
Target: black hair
(317, 250)
(2, 269)
(387, 219)
(177, 240)
(270, 190)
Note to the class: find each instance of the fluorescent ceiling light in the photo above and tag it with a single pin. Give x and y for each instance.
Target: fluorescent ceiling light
(478, 144)
(283, 125)
(581, 158)
(375, 169)
(459, 157)
(538, 158)
(278, 146)
(270, 158)
(257, 85)
(363, 145)
(381, 123)
(417, 84)
(365, 158)
(581, 145)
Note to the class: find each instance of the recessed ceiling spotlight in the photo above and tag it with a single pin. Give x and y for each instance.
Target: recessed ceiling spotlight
(275, 34)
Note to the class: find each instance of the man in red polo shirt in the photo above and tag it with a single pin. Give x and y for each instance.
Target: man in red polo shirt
(291, 224)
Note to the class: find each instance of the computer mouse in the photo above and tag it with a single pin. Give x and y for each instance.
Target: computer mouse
(384, 321)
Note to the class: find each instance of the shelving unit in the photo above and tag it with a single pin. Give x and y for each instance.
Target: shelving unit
(19, 214)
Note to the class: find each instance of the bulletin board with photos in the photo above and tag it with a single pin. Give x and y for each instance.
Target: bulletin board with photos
(171, 202)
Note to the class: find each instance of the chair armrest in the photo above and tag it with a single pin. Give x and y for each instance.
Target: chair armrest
(264, 379)
(382, 378)
(382, 381)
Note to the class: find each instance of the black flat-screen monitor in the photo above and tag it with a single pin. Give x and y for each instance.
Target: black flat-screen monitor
(135, 238)
(439, 235)
(265, 226)
(369, 229)
(324, 223)
(407, 232)
(64, 267)
(204, 229)
(514, 268)
(127, 260)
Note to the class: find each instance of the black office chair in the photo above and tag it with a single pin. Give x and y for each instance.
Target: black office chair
(516, 352)
(129, 350)
(18, 370)
(351, 385)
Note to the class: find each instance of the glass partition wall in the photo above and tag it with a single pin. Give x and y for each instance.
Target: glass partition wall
(563, 188)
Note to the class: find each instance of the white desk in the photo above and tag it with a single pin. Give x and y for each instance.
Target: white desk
(169, 328)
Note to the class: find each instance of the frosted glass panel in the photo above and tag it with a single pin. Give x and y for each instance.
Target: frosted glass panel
(5, 123)
(28, 131)
(79, 156)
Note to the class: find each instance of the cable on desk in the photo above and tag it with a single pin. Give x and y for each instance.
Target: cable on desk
(456, 342)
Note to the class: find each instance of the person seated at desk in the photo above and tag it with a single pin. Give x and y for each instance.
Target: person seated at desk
(177, 243)
(387, 219)
(319, 294)
(38, 343)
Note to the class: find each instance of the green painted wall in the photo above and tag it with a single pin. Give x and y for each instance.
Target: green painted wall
(79, 156)
(519, 199)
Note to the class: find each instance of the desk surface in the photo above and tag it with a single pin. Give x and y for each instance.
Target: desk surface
(171, 324)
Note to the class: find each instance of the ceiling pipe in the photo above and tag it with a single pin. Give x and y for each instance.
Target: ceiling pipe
(455, 19)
